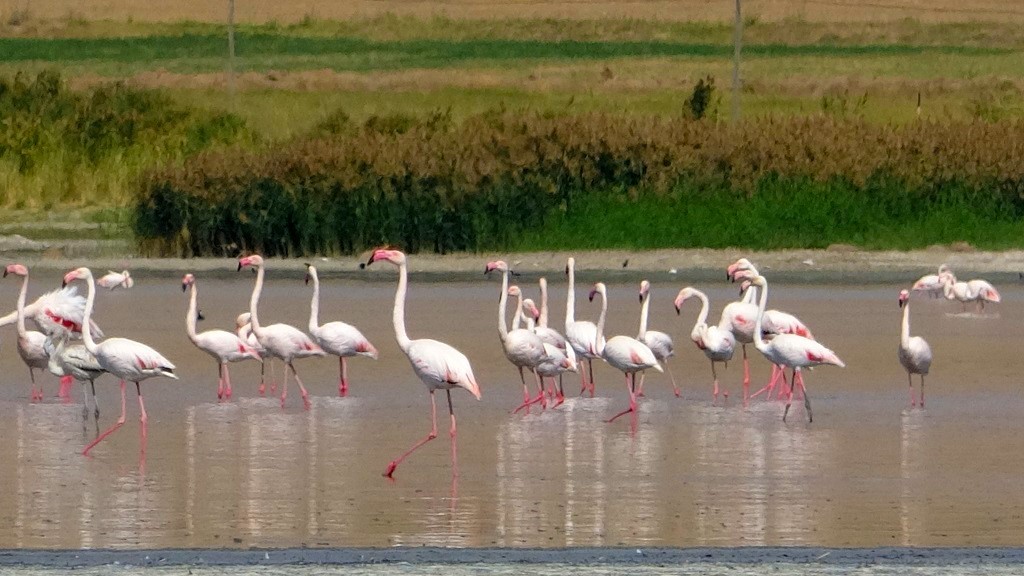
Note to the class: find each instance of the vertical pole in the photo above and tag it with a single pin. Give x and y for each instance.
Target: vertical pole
(737, 40)
(231, 53)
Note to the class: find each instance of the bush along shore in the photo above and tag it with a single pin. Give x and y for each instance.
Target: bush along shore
(523, 181)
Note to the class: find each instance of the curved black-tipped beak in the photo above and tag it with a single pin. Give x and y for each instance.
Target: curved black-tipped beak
(641, 298)
(63, 283)
(678, 310)
(307, 279)
(184, 286)
(5, 273)
(486, 270)
(591, 296)
(239, 266)
(566, 270)
(368, 262)
(902, 302)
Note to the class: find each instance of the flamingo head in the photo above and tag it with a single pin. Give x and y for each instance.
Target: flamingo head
(599, 288)
(514, 291)
(947, 277)
(128, 281)
(744, 286)
(186, 281)
(499, 265)
(255, 261)
(242, 320)
(531, 308)
(758, 281)
(944, 268)
(741, 264)
(310, 273)
(744, 274)
(645, 289)
(684, 295)
(904, 296)
(77, 274)
(570, 265)
(396, 257)
(16, 269)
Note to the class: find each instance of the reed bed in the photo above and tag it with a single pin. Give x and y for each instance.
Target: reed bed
(520, 180)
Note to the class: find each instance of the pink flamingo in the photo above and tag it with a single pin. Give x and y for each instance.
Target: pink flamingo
(797, 352)
(280, 340)
(336, 338)
(113, 280)
(932, 283)
(979, 291)
(583, 335)
(222, 345)
(523, 348)
(659, 342)
(559, 360)
(551, 336)
(914, 352)
(628, 355)
(243, 329)
(126, 359)
(437, 364)
(717, 343)
(31, 344)
(56, 311)
(75, 361)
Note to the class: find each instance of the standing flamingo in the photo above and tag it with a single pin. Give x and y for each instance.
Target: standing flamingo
(243, 328)
(559, 360)
(523, 348)
(222, 345)
(932, 283)
(56, 311)
(797, 352)
(583, 335)
(659, 342)
(31, 344)
(280, 340)
(336, 338)
(114, 279)
(124, 358)
(625, 354)
(437, 364)
(551, 336)
(914, 352)
(979, 291)
(77, 362)
(717, 343)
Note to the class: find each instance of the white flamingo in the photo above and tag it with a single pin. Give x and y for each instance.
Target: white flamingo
(914, 352)
(221, 345)
(75, 361)
(582, 335)
(243, 329)
(126, 359)
(113, 280)
(792, 350)
(717, 343)
(932, 284)
(438, 365)
(551, 336)
(659, 342)
(31, 344)
(623, 353)
(523, 348)
(279, 340)
(979, 291)
(56, 311)
(336, 338)
(558, 360)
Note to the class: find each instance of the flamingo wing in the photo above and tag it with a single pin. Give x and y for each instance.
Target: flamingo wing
(131, 360)
(582, 336)
(982, 290)
(629, 355)
(799, 352)
(58, 311)
(659, 343)
(225, 346)
(343, 339)
(777, 322)
(441, 366)
(916, 357)
(740, 319)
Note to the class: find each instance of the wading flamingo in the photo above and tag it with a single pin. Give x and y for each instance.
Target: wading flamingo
(979, 291)
(437, 364)
(551, 336)
(243, 328)
(628, 355)
(932, 284)
(558, 361)
(56, 311)
(221, 345)
(659, 342)
(126, 359)
(914, 353)
(31, 344)
(75, 361)
(113, 280)
(792, 350)
(523, 348)
(279, 340)
(336, 338)
(717, 343)
(581, 335)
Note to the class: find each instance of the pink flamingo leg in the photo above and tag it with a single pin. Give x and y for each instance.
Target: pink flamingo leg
(559, 395)
(36, 396)
(541, 397)
(65, 387)
(675, 388)
(227, 382)
(302, 389)
(910, 382)
(922, 390)
(632, 400)
(120, 422)
(273, 380)
(263, 383)
(389, 472)
(343, 373)
(220, 381)
(284, 387)
(770, 386)
(746, 377)
(583, 379)
(590, 371)
(452, 435)
(640, 386)
(142, 406)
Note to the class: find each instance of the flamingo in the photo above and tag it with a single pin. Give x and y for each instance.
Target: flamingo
(77, 362)
(244, 329)
(626, 354)
(222, 345)
(280, 340)
(551, 336)
(932, 283)
(979, 291)
(583, 335)
(126, 359)
(31, 344)
(336, 338)
(914, 353)
(659, 342)
(560, 360)
(114, 279)
(55, 311)
(438, 365)
(523, 348)
(717, 343)
(797, 352)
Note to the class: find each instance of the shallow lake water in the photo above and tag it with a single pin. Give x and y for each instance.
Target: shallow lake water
(868, 472)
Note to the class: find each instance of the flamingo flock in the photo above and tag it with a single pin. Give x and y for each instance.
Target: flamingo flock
(784, 341)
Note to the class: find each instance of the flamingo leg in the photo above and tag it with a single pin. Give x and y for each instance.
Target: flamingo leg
(789, 398)
(32, 377)
(95, 402)
(433, 434)
(85, 401)
(142, 406)
(640, 387)
(120, 422)
(220, 381)
(922, 390)
(284, 387)
(910, 382)
(557, 388)
(583, 378)
(343, 375)
(263, 382)
(672, 379)
(227, 381)
(452, 434)
(302, 389)
(526, 394)
(65, 387)
(807, 399)
(632, 399)
(770, 386)
(540, 391)
(590, 371)
(273, 380)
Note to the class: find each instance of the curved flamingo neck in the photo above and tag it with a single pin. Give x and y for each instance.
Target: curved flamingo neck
(758, 340)
(190, 317)
(905, 325)
(543, 321)
(398, 316)
(644, 308)
(90, 298)
(254, 302)
(599, 345)
(750, 296)
(22, 332)
(570, 299)
(502, 303)
(314, 304)
(517, 318)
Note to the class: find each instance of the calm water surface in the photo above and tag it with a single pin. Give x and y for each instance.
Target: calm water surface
(867, 472)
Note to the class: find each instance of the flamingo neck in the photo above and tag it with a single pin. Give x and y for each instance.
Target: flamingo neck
(502, 302)
(398, 316)
(701, 326)
(905, 325)
(758, 341)
(600, 325)
(314, 304)
(750, 296)
(570, 298)
(644, 308)
(517, 318)
(190, 316)
(543, 321)
(254, 302)
(90, 298)
(21, 307)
